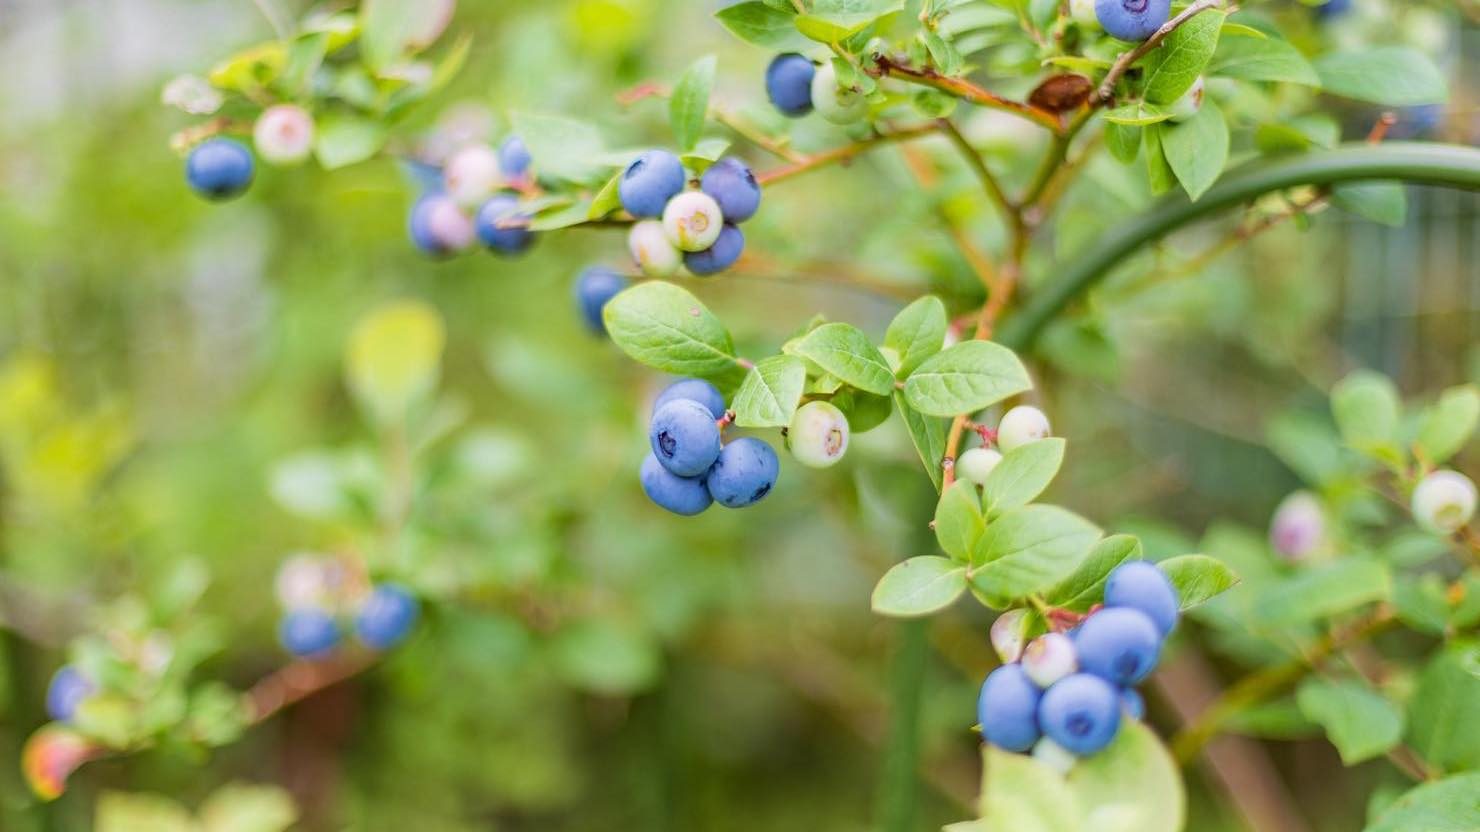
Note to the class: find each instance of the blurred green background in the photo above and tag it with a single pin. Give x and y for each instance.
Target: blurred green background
(171, 391)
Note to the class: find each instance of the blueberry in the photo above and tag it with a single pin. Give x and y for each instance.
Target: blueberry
(651, 250)
(438, 227)
(1080, 713)
(67, 690)
(1298, 527)
(513, 157)
(649, 182)
(387, 616)
(1132, 703)
(1140, 585)
(685, 437)
(1118, 644)
(696, 390)
(1049, 658)
(308, 632)
(744, 473)
(1132, 19)
(835, 103)
(1444, 501)
(681, 495)
(975, 465)
(219, 168)
(1007, 635)
(1007, 709)
(1021, 425)
(732, 184)
(512, 239)
(593, 289)
(789, 84)
(692, 220)
(1333, 8)
(283, 134)
(472, 174)
(818, 434)
(718, 257)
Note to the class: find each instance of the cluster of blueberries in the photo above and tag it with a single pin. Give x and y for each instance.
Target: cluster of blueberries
(796, 87)
(221, 168)
(472, 201)
(314, 590)
(1063, 696)
(697, 229)
(690, 467)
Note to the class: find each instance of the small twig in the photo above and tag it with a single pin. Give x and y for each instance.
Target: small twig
(1123, 63)
(965, 90)
(846, 152)
(978, 165)
(300, 680)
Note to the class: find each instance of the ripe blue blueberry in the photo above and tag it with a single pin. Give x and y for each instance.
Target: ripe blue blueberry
(1333, 8)
(500, 225)
(387, 616)
(685, 437)
(308, 632)
(593, 289)
(1132, 703)
(681, 495)
(732, 184)
(1132, 19)
(696, 390)
(649, 182)
(1080, 713)
(789, 84)
(1142, 586)
(1118, 644)
(744, 473)
(513, 157)
(718, 257)
(67, 690)
(219, 168)
(1007, 709)
(438, 227)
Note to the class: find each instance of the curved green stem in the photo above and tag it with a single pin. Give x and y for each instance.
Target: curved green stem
(1429, 164)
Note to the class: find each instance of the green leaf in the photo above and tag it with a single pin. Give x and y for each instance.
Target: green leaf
(1393, 75)
(1198, 578)
(245, 807)
(1086, 586)
(1381, 202)
(607, 200)
(1123, 141)
(704, 154)
(564, 148)
(1444, 712)
(1030, 549)
(927, 434)
(1449, 423)
(1023, 474)
(770, 393)
(1448, 805)
(1360, 722)
(1197, 149)
(1323, 591)
(1137, 114)
(758, 23)
(966, 378)
(131, 812)
(668, 329)
(1248, 59)
(917, 332)
(1171, 70)
(605, 657)
(844, 351)
(340, 140)
(864, 411)
(1020, 794)
(391, 28)
(1133, 785)
(958, 520)
(919, 586)
(1368, 411)
(1159, 174)
(394, 358)
(688, 107)
(836, 27)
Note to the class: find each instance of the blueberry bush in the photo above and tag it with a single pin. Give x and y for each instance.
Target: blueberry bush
(877, 272)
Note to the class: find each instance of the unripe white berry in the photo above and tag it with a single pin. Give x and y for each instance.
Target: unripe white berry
(1021, 425)
(283, 134)
(449, 225)
(1444, 501)
(1049, 658)
(975, 465)
(834, 103)
(692, 220)
(472, 175)
(818, 436)
(303, 581)
(651, 250)
(1298, 527)
(1007, 635)
(1053, 755)
(1191, 101)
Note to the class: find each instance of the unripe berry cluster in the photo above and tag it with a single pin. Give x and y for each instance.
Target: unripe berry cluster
(1018, 427)
(1064, 694)
(474, 200)
(796, 87)
(318, 593)
(696, 229)
(690, 466)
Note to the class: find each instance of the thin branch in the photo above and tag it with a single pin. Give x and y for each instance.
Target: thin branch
(963, 89)
(1010, 213)
(846, 153)
(301, 679)
(1123, 64)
